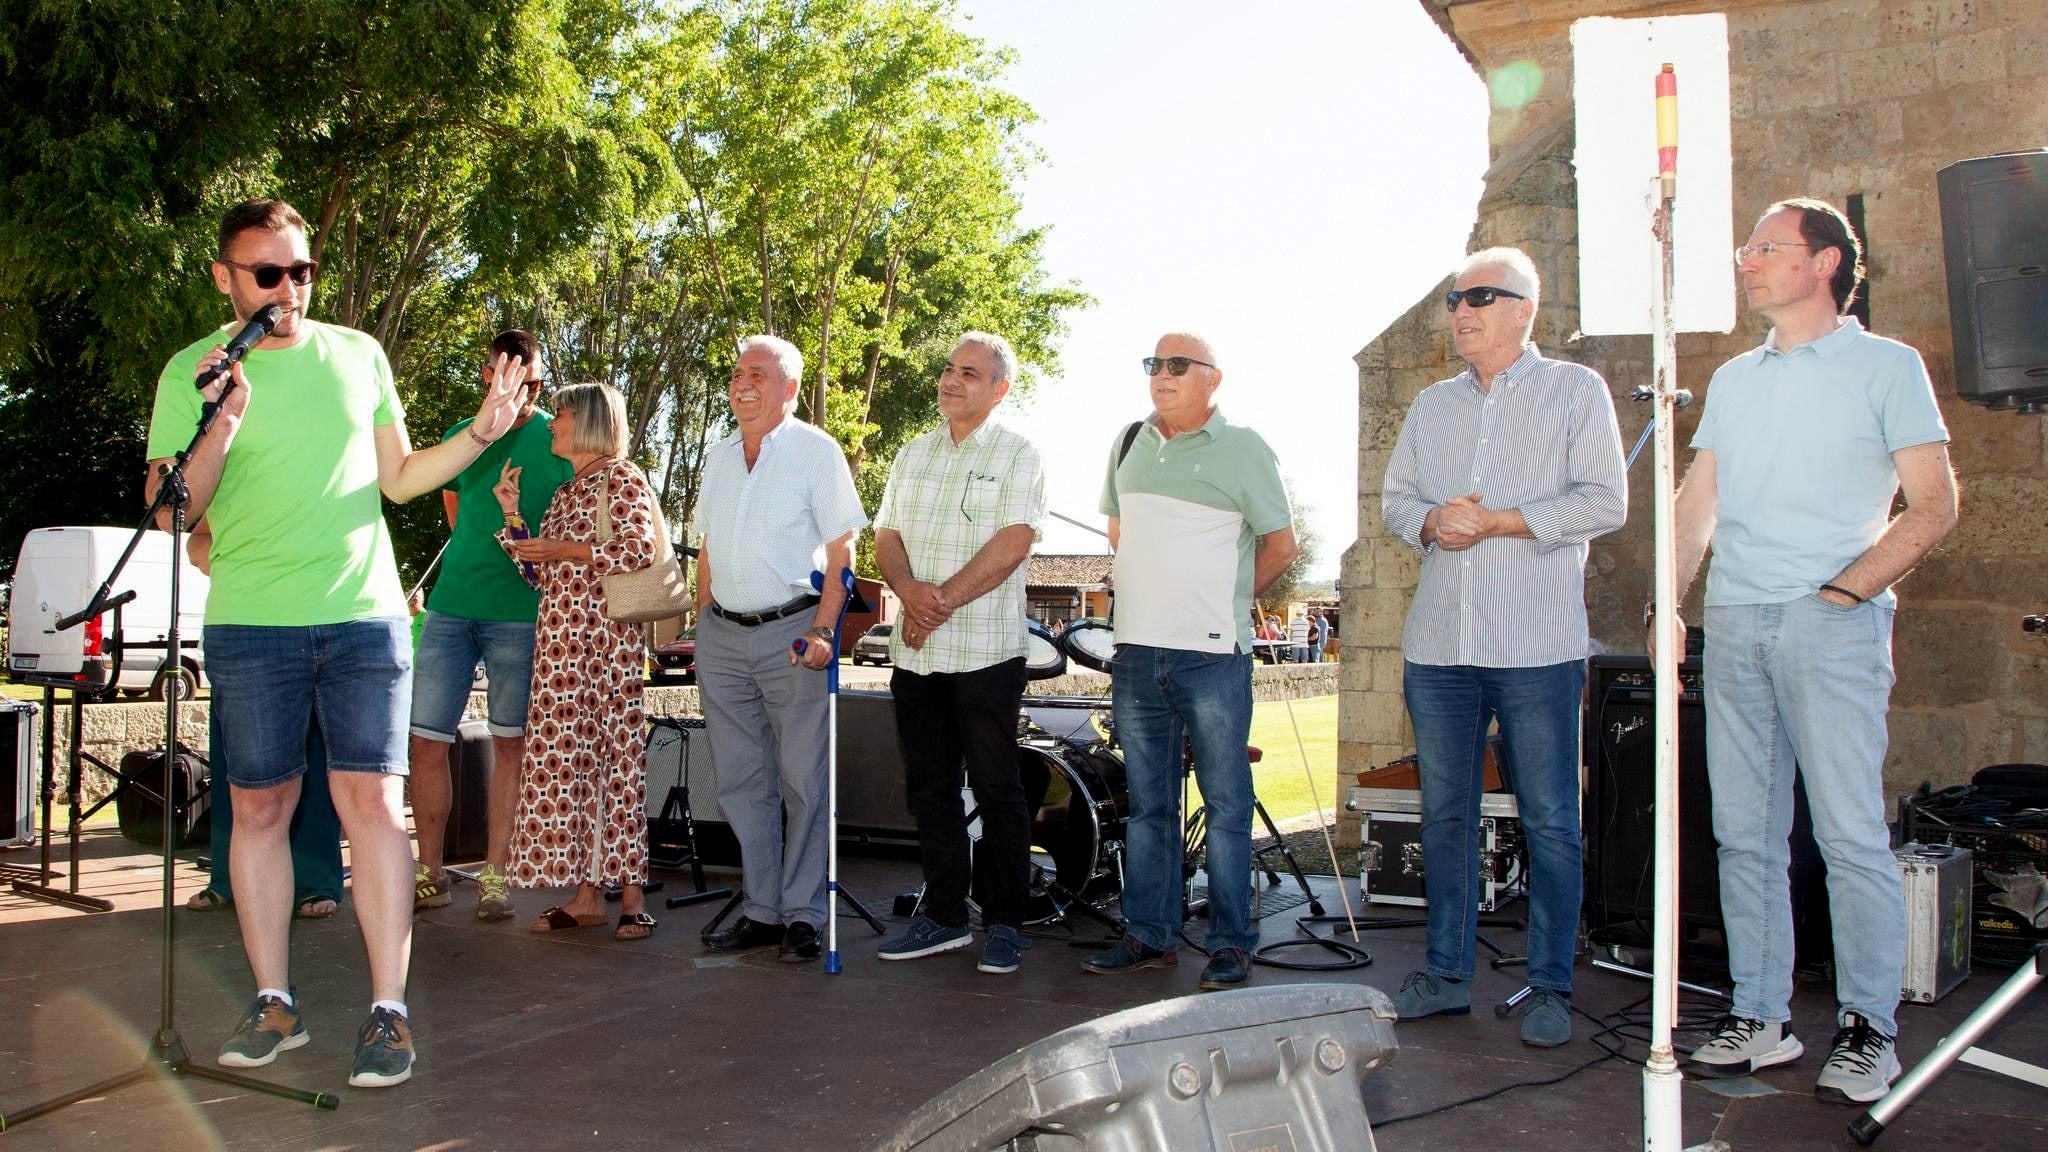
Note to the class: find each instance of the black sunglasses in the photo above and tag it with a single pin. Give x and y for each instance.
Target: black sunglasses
(268, 276)
(1174, 365)
(1477, 297)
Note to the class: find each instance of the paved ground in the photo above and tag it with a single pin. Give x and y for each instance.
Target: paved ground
(577, 1041)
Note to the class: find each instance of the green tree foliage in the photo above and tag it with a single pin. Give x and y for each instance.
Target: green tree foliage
(639, 183)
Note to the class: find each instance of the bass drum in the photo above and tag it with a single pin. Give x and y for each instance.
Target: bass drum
(1043, 659)
(1090, 643)
(1079, 804)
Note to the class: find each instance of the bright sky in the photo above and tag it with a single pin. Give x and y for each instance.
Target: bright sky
(1287, 179)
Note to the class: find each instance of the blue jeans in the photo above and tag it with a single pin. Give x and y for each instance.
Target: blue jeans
(444, 671)
(1804, 686)
(1538, 709)
(271, 685)
(1161, 695)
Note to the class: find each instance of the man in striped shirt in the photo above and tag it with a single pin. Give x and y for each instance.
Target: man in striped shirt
(958, 517)
(1501, 476)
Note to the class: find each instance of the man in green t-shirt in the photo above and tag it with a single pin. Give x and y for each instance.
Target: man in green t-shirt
(482, 608)
(305, 620)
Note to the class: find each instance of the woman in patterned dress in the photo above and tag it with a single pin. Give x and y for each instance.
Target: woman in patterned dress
(583, 786)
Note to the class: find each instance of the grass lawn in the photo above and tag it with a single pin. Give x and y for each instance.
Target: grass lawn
(1278, 778)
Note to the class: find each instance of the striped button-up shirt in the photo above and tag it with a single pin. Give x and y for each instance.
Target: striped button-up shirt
(948, 501)
(1543, 440)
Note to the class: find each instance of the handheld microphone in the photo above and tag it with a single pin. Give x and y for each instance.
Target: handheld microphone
(256, 329)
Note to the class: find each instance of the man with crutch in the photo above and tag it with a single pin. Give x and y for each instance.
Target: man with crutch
(959, 516)
(778, 503)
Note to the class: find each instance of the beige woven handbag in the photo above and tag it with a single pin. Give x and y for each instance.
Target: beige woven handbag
(656, 592)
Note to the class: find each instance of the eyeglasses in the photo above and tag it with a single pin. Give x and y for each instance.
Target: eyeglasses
(268, 276)
(1767, 248)
(1477, 297)
(1174, 365)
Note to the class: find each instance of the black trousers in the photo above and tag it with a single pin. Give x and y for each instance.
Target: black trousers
(943, 720)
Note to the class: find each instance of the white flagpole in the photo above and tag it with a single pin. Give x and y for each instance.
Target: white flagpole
(1662, 1120)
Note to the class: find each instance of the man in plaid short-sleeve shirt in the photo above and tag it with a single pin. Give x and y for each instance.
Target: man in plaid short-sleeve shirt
(959, 516)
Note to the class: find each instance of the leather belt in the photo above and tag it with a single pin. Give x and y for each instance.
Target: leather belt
(756, 619)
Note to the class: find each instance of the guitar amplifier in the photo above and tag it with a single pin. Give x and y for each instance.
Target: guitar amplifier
(1390, 852)
(20, 758)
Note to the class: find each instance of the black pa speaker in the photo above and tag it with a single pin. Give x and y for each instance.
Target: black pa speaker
(1994, 234)
(468, 835)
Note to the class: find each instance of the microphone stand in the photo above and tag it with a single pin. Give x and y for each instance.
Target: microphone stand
(167, 1054)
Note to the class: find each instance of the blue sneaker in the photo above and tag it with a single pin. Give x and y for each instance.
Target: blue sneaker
(925, 937)
(269, 1026)
(383, 1051)
(1129, 955)
(1546, 1018)
(1422, 995)
(1003, 950)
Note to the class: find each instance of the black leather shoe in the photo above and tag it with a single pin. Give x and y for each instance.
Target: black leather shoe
(744, 935)
(799, 943)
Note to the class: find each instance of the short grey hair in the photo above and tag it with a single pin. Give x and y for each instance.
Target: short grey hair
(1521, 271)
(996, 346)
(786, 354)
(599, 412)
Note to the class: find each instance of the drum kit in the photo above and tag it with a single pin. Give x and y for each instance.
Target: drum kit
(1075, 787)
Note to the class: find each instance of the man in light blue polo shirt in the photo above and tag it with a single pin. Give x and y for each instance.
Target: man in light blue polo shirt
(1802, 447)
(1199, 520)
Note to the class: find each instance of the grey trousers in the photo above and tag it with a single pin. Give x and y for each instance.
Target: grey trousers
(766, 718)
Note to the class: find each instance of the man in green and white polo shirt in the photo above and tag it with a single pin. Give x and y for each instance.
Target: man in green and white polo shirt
(1200, 522)
(959, 515)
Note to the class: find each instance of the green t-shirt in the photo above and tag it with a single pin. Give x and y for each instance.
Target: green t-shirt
(478, 581)
(298, 521)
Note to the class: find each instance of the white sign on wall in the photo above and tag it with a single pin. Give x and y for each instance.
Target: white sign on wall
(1614, 69)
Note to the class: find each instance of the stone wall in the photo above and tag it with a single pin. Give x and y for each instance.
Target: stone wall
(1831, 98)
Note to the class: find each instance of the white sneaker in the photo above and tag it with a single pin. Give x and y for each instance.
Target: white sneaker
(1742, 1045)
(1861, 1065)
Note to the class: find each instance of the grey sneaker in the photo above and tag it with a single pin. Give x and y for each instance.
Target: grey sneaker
(1861, 1065)
(1546, 1018)
(1003, 951)
(269, 1027)
(925, 937)
(383, 1051)
(1742, 1045)
(1423, 994)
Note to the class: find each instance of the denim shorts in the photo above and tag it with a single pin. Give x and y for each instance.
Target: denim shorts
(444, 668)
(269, 684)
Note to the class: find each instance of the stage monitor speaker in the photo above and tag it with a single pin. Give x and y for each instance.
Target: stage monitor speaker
(1620, 752)
(874, 805)
(1994, 232)
(1277, 1066)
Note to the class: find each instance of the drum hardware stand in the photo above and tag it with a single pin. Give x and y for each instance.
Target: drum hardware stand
(167, 1053)
(1195, 838)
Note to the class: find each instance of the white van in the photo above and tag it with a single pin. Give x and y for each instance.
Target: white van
(56, 574)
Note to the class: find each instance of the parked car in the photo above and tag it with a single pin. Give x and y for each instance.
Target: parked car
(677, 659)
(873, 646)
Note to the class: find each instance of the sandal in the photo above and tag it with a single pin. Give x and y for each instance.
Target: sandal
(558, 919)
(315, 908)
(634, 926)
(206, 900)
